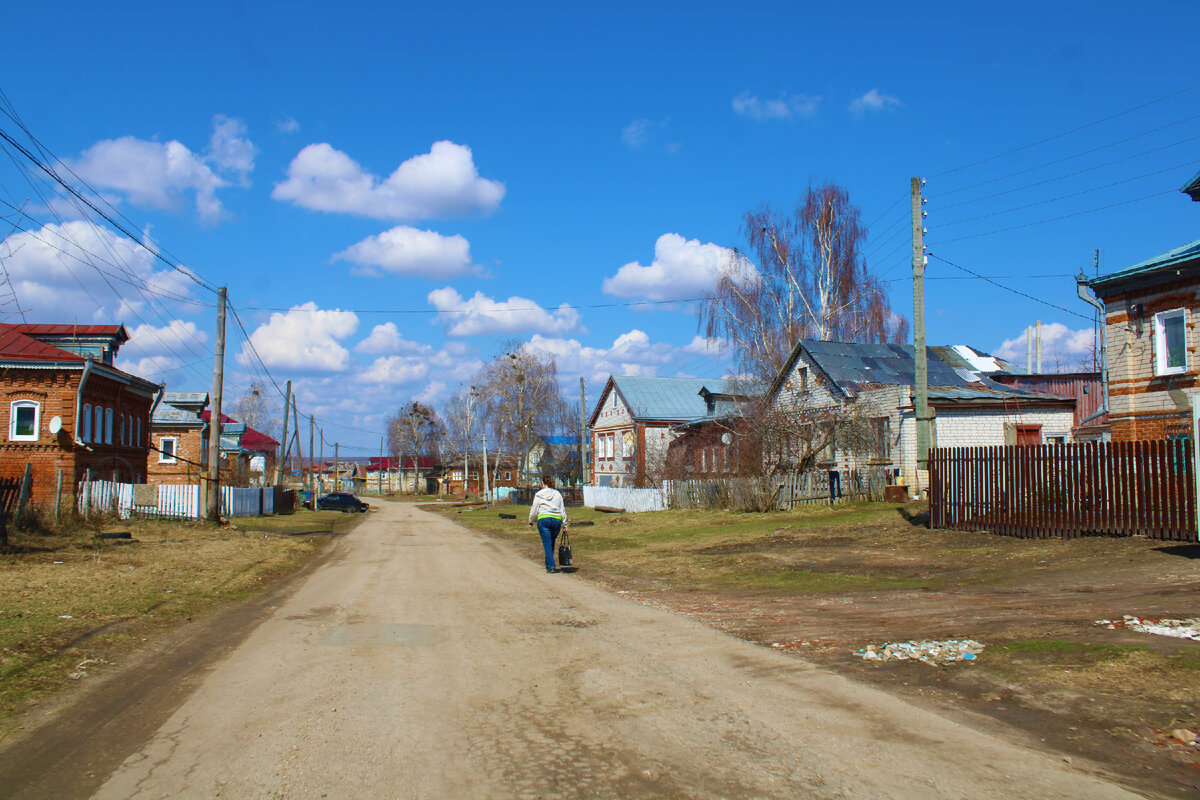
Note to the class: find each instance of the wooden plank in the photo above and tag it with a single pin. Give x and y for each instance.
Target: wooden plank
(1171, 494)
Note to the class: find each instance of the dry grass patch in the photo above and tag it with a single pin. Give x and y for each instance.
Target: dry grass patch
(71, 603)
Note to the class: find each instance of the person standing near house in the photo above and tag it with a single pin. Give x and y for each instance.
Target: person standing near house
(549, 513)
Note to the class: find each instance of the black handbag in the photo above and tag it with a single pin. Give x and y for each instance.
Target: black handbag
(564, 550)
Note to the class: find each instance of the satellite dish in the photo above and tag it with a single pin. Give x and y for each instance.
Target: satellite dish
(726, 438)
(55, 425)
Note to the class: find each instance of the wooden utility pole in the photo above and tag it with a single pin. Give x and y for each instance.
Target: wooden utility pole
(296, 434)
(381, 466)
(337, 474)
(583, 437)
(312, 458)
(283, 443)
(213, 496)
(921, 357)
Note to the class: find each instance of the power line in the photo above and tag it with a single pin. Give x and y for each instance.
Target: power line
(1067, 133)
(1010, 289)
(524, 309)
(1056, 219)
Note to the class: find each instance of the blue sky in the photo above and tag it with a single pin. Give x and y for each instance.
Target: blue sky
(329, 162)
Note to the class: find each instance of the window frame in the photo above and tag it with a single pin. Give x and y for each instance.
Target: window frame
(13, 417)
(162, 456)
(108, 426)
(1161, 352)
(86, 419)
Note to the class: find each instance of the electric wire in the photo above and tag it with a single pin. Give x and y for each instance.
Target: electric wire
(1010, 289)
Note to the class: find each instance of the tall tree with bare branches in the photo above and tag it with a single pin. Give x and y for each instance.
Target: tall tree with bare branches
(803, 276)
(415, 430)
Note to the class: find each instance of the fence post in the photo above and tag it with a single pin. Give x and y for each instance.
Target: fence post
(1196, 459)
(26, 485)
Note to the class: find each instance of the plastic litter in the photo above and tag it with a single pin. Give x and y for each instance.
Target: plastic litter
(927, 651)
(1177, 628)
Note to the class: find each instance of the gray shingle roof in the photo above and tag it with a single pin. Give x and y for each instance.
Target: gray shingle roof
(853, 364)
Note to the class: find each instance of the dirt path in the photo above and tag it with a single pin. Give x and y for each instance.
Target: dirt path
(426, 661)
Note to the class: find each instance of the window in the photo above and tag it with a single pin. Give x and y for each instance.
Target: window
(124, 429)
(802, 379)
(138, 441)
(1170, 342)
(108, 426)
(87, 423)
(166, 450)
(881, 436)
(98, 427)
(508, 474)
(23, 421)
(704, 459)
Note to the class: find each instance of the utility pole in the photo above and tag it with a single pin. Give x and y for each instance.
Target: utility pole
(213, 496)
(381, 466)
(487, 500)
(312, 457)
(296, 433)
(287, 403)
(321, 479)
(583, 437)
(337, 474)
(921, 378)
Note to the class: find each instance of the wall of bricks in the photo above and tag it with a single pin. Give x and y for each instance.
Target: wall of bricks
(189, 457)
(56, 392)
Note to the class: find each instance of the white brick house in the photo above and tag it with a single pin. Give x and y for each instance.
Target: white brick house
(970, 410)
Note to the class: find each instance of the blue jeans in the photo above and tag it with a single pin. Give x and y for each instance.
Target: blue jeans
(549, 528)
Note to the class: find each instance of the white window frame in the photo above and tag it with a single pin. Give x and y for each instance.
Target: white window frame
(1160, 343)
(13, 436)
(162, 456)
(87, 423)
(98, 425)
(108, 426)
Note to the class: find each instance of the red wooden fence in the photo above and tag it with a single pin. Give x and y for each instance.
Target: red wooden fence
(1044, 491)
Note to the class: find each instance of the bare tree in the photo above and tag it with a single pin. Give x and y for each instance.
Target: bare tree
(521, 399)
(259, 408)
(415, 430)
(463, 426)
(803, 277)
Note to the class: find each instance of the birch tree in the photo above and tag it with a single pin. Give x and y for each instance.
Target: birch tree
(802, 276)
(415, 430)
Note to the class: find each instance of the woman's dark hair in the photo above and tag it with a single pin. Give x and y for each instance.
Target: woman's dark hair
(548, 480)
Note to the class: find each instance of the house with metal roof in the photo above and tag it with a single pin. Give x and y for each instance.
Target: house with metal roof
(634, 421)
(876, 381)
(1152, 368)
(179, 441)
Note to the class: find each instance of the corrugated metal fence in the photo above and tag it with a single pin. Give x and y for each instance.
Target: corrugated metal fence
(1116, 489)
(627, 499)
(169, 501)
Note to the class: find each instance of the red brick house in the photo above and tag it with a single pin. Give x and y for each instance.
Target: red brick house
(66, 409)
(180, 445)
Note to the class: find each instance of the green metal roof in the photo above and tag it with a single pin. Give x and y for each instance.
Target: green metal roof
(1171, 258)
(669, 398)
(1192, 187)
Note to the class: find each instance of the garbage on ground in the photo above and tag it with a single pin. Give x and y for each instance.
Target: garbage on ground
(1178, 628)
(1185, 736)
(928, 651)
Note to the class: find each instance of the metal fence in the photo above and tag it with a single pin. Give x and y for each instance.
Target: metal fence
(624, 498)
(150, 501)
(1115, 489)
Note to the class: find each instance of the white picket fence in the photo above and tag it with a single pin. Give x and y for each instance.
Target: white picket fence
(627, 499)
(170, 501)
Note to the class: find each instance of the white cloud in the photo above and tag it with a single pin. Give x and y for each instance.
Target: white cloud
(160, 175)
(682, 268)
(874, 100)
(392, 370)
(631, 353)
(305, 339)
(483, 315)
(286, 125)
(785, 106)
(58, 274)
(1062, 348)
(386, 340)
(229, 149)
(439, 183)
(638, 132)
(409, 251)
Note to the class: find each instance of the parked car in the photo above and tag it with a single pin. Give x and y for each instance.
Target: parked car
(341, 501)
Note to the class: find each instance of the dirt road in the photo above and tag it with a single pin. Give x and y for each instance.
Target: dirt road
(425, 661)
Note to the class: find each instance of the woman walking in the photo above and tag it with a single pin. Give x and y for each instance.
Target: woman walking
(550, 513)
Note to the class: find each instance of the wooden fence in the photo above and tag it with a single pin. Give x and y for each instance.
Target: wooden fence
(1115, 489)
(169, 501)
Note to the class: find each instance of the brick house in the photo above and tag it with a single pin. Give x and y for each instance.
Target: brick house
(179, 446)
(877, 380)
(632, 425)
(67, 410)
(1153, 366)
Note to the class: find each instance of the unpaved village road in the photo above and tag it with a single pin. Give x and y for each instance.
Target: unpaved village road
(424, 661)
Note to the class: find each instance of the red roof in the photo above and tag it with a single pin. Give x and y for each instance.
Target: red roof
(67, 329)
(16, 344)
(251, 439)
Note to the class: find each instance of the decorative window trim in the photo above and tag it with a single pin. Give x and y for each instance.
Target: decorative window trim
(163, 458)
(13, 409)
(1161, 352)
(87, 423)
(97, 425)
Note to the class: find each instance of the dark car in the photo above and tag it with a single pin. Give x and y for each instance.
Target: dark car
(341, 501)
